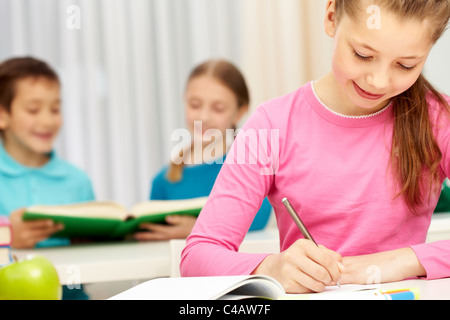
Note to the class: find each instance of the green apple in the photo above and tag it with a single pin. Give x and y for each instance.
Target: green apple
(33, 278)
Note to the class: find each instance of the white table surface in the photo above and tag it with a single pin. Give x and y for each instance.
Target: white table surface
(439, 227)
(120, 261)
(104, 262)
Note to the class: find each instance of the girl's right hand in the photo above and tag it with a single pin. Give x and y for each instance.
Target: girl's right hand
(26, 234)
(303, 268)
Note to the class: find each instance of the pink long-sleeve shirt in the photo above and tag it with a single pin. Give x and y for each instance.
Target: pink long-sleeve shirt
(335, 172)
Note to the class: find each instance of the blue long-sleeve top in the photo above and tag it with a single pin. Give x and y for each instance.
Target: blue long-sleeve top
(198, 181)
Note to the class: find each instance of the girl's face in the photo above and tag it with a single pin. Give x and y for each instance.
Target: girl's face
(33, 123)
(210, 107)
(374, 63)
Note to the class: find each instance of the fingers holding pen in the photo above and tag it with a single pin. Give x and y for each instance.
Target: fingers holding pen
(304, 267)
(323, 258)
(335, 265)
(320, 263)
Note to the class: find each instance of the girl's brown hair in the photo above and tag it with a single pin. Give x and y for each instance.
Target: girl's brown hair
(415, 155)
(230, 76)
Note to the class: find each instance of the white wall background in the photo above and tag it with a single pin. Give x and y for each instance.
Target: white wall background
(437, 69)
(123, 72)
(123, 75)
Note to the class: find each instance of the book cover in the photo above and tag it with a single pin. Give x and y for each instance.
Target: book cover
(109, 219)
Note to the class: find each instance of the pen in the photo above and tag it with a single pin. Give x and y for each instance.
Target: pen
(299, 223)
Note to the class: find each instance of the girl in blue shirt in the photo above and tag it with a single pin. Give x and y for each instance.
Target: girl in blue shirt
(216, 98)
(30, 171)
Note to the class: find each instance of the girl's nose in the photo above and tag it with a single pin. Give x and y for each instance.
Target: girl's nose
(205, 115)
(378, 79)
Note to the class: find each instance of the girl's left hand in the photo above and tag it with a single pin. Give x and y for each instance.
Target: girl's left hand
(179, 227)
(389, 266)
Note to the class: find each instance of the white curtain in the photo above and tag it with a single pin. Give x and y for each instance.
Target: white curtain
(123, 73)
(437, 69)
(285, 45)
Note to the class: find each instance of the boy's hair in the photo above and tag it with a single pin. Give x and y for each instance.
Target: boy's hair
(415, 155)
(15, 69)
(230, 76)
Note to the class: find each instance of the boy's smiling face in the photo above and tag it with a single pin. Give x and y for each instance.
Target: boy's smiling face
(373, 65)
(34, 119)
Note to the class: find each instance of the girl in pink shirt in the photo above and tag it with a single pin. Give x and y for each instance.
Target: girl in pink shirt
(361, 154)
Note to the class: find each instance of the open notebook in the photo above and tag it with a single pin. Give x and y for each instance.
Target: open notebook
(239, 287)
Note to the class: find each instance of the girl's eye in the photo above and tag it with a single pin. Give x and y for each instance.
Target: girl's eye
(194, 105)
(219, 108)
(403, 67)
(364, 58)
(361, 57)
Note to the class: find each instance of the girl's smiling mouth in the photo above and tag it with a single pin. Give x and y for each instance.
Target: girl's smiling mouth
(367, 95)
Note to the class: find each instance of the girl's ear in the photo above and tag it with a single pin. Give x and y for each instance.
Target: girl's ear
(330, 19)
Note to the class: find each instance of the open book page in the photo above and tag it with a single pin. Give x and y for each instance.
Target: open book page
(168, 206)
(346, 292)
(107, 219)
(105, 209)
(248, 287)
(205, 288)
(111, 209)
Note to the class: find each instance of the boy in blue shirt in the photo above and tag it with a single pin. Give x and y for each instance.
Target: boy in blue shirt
(30, 171)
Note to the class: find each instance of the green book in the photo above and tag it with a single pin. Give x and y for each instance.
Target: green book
(444, 200)
(111, 220)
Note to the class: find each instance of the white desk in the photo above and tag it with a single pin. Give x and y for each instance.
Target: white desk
(439, 228)
(106, 262)
(121, 261)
